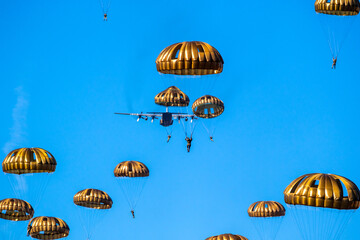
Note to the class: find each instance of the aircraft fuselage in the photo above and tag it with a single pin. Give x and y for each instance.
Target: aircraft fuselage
(166, 119)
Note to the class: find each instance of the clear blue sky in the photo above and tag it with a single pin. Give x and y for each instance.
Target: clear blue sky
(287, 113)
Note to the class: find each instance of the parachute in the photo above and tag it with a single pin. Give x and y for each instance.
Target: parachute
(336, 17)
(227, 237)
(267, 217)
(190, 58)
(28, 170)
(92, 203)
(190, 66)
(208, 107)
(14, 214)
(132, 177)
(48, 228)
(322, 204)
(15, 210)
(172, 97)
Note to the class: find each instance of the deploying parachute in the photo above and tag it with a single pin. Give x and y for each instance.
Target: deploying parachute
(132, 177)
(227, 237)
(48, 228)
(92, 204)
(336, 17)
(208, 107)
(267, 217)
(28, 171)
(187, 63)
(322, 204)
(14, 214)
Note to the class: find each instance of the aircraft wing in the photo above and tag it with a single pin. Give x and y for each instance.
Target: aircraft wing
(141, 114)
(182, 115)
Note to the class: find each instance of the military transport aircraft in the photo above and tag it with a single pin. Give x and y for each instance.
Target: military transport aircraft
(166, 117)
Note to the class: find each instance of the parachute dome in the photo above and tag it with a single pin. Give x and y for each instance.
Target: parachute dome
(227, 237)
(323, 190)
(208, 107)
(190, 58)
(93, 198)
(338, 7)
(266, 209)
(131, 169)
(172, 97)
(48, 228)
(29, 160)
(15, 210)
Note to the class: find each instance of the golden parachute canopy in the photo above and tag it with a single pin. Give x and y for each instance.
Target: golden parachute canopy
(337, 7)
(323, 190)
(266, 209)
(131, 169)
(93, 198)
(172, 97)
(29, 160)
(48, 228)
(227, 237)
(190, 58)
(208, 107)
(15, 210)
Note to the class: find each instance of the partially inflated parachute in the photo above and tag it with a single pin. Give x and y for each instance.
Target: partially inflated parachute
(267, 217)
(132, 177)
(326, 201)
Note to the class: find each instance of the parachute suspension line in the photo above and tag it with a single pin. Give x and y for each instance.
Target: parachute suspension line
(122, 182)
(102, 6)
(12, 184)
(335, 38)
(296, 215)
(43, 180)
(320, 223)
(108, 6)
(184, 127)
(193, 130)
(83, 222)
(206, 128)
(346, 35)
(142, 186)
(169, 133)
(132, 188)
(30, 187)
(105, 5)
(192, 125)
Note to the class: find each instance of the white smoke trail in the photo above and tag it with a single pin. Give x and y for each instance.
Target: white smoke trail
(18, 129)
